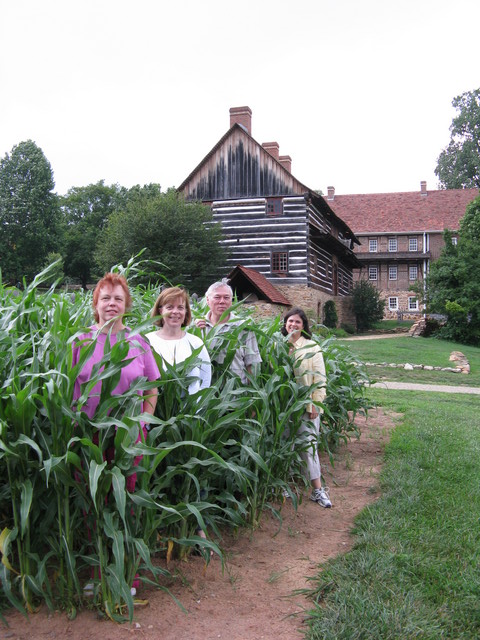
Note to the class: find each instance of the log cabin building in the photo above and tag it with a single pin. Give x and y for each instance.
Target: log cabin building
(272, 223)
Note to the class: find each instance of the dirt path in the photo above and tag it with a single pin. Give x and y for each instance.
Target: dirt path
(415, 386)
(252, 599)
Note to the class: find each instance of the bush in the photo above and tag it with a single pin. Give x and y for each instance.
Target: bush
(348, 328)
(432, 327)
(330, 316)
(367, 305)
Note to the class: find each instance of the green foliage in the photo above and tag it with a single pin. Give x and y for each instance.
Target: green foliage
(413, 572)
(181, 235)
(330, 316)
(348, 328)
(86, 211)
(453, 284)
(56, 274)
(29, 213)
(367, 305)
(213, 460)
(458, 165)
(470, 223)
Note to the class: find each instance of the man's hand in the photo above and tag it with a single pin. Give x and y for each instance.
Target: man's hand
(200, 323)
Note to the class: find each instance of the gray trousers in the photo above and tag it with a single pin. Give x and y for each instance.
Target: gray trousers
(310, 455)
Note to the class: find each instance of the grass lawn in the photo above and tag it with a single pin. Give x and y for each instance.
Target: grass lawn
(429, 351)
(414, 571)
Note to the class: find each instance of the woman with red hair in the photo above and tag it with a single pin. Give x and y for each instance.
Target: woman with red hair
(111, 300)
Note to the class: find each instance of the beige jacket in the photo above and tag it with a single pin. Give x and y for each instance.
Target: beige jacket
(310, 370)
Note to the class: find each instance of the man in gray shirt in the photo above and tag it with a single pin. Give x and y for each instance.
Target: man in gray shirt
(219, 298)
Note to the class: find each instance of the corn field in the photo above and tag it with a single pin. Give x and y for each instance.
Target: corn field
(214, 460)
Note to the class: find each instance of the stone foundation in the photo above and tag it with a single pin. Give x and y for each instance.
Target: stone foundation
(312, 301)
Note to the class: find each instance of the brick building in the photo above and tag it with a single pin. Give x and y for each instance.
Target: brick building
(400, 234)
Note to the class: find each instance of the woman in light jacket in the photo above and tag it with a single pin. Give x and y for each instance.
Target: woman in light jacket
(309, 370)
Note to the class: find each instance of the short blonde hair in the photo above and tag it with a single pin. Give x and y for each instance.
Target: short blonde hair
(169, 295)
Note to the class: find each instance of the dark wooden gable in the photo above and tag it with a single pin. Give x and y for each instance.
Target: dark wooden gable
(239, 167)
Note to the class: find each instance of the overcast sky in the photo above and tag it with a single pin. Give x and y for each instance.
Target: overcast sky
(357, 92)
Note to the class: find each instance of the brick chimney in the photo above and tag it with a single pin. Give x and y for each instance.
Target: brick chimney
(423, 188)
(243, 117)
(286, 162)
(272, 148)
(330, 193)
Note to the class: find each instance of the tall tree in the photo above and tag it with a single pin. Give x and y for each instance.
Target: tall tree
(453, 284)
(180, 235)
(458, 165)
(29, 212)
(86, 211)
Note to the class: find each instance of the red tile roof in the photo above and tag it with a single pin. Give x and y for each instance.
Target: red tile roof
(403, 212)
(271, 293)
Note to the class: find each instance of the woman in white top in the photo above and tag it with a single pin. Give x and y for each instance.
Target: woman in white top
(172, 342)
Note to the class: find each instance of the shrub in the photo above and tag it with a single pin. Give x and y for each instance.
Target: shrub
(348, 328)
(367, 305)
(330, 316)
(432, 327)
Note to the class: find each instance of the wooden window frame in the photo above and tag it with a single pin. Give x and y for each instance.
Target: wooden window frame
(279, 261)
(274, 206)
(391, 242)
(376, 273)
(372, 241)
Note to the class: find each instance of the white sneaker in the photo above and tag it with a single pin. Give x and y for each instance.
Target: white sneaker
(321, 497)
(133, 591)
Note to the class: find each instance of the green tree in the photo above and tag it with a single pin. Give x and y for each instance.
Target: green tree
(458, 165)
(29, 213)
(453, 284)
(367, 305)
(180, 235)
(86, 211)
(330, 316)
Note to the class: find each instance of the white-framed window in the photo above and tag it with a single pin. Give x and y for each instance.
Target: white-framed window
(412, 272)
(392, 245)
(412, 303)
(393, 304)
(454, 240)
(373, 273)
(412, 244)
(373, 245)
(392, 272)
(280, 262)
